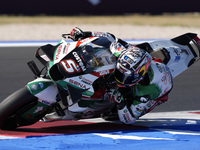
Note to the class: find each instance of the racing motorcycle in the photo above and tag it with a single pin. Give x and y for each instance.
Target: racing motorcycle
(79, 74)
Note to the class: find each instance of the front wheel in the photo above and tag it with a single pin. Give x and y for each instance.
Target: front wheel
(20, 109)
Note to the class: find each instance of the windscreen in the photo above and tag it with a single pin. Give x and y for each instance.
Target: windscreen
(96, 56)
(86, 58)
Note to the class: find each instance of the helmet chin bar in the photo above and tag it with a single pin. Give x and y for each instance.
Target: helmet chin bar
(124, 85)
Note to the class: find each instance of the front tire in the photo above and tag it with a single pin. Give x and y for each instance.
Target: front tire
(12, 108)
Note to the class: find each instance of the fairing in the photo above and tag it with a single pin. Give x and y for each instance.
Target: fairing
(77, 65)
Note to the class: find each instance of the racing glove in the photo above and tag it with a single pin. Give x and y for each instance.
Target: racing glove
(114, 96)
(77, 34)
(128, 114)
(125, 114)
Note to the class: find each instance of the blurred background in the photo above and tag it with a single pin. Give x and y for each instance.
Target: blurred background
(127, 19)
(97, 7)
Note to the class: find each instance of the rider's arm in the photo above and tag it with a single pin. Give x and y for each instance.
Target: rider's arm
(125, 114)
(77, 34)
(130, 107)
(110, 37)
(130, 110)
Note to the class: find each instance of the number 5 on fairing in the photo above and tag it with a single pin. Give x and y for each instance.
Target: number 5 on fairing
(70, 66)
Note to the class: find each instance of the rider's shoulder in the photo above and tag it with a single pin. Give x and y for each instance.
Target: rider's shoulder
(160, 72)
(158, 66)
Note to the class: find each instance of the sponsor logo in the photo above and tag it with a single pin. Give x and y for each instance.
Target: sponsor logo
(185, 51)
(149, 104)
(177, 58)
(38, 109)
(34, 87)
(139, 110)
(166, 75)
(58, 52)
(82, 41)
(87, 81)
(66, 48)
(126, 116)
(104, 72)
(159, 68)
(46, 102)
(100, 34)
(129, 60)
(117, 46)
(176, 51)
(41, 85)
(83, 86)
(78, 59)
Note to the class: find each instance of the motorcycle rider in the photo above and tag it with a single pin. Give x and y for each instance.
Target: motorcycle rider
(142, 81)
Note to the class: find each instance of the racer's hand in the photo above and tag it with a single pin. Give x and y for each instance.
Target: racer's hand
(76, 34)
(126, 116)
(114, 96)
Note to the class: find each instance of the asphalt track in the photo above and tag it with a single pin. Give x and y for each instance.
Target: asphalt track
(163, 129)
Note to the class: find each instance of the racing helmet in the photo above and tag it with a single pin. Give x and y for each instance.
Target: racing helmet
(131, 67)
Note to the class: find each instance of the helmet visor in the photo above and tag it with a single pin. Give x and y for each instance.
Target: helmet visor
(124, 79)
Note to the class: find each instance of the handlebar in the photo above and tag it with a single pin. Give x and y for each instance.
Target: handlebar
(65, 35)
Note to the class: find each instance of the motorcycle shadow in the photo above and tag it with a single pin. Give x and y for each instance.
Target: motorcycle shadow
(79, 127)
(76, 127)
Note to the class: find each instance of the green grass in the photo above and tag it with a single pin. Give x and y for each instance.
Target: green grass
(185, 20)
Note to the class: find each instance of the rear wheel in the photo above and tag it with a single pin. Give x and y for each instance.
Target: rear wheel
(16, 109)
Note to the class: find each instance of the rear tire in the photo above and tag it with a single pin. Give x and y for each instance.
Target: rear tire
(14, 106)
